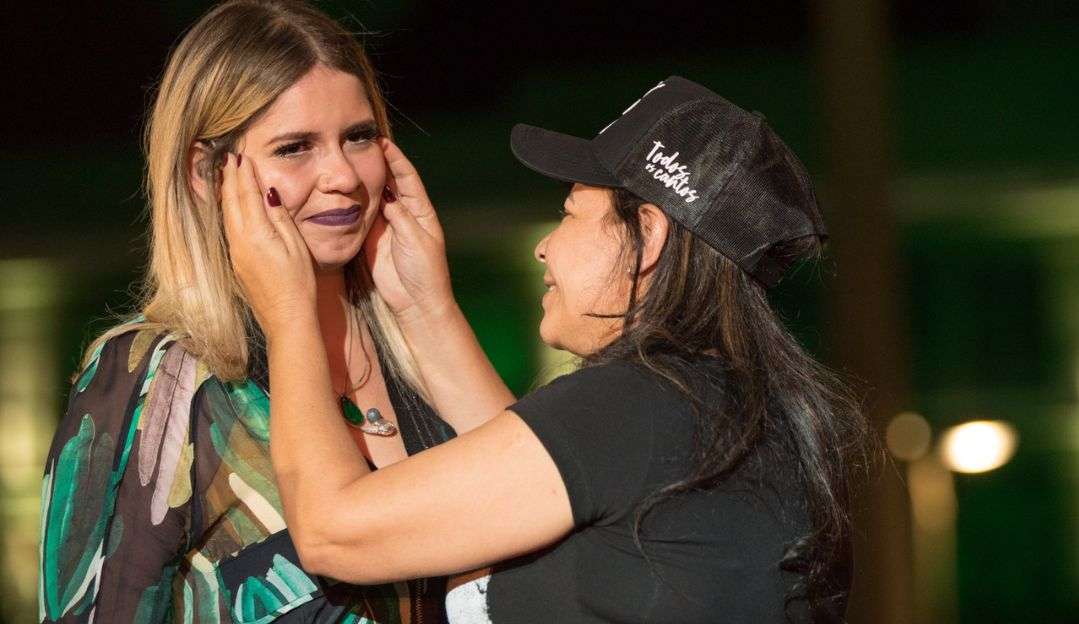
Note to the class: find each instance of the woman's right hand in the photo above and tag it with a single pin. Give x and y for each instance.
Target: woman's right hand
(406, 250)
(268, 253)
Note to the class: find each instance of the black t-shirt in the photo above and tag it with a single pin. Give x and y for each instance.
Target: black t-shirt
(618, 433)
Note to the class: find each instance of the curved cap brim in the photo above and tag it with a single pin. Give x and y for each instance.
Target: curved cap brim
(559, 156)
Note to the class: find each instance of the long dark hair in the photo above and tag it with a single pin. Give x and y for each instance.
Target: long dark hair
(780, 398)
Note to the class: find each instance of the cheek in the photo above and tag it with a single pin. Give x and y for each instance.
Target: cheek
(293, 184)
(370, 166)
(591, 283)
(372, 172)
(599, 289)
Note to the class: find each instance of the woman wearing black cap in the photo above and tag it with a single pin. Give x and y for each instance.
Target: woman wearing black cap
(693, 469)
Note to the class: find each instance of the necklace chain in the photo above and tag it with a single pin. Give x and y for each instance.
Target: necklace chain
(348, 356)
(372, 422)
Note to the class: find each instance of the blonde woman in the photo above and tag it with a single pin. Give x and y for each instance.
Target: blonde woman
(159, 501)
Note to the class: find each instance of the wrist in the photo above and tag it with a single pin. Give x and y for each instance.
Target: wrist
(420, 317)
(296, 323)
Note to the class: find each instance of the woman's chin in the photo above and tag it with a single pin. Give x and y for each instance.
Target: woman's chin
(332, 262)
(548, 334)
(332, 256)
(323, 268)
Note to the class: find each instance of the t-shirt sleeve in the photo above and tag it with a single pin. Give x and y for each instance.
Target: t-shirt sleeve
(597, 425)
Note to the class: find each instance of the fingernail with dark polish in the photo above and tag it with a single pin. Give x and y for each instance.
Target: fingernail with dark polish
(387, 195)
(272, 197)
(239, 159)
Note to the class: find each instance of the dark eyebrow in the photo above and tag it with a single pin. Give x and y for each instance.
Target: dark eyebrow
(369, 126)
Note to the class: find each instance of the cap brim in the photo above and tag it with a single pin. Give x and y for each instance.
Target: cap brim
(559, 156)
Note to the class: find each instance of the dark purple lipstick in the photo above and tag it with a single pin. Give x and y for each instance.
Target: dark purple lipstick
(338, 216)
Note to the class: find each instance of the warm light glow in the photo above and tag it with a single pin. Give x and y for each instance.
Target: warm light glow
(978, 446)
(908, 436)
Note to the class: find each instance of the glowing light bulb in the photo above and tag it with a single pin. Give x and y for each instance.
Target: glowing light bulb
(978, 446)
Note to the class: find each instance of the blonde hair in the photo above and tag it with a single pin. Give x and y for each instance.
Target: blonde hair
(225, 72)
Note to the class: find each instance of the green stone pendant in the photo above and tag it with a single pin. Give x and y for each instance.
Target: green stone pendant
(352, 413)
(373, 423)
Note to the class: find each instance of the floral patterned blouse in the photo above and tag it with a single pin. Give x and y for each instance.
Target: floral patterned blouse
(159, 502)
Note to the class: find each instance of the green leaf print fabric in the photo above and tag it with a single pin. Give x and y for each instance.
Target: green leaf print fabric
(159, 502)
(100, 550)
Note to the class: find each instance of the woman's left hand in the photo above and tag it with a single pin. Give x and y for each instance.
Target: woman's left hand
(269, 256)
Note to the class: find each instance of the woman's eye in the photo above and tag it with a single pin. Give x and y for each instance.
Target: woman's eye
(289, 149)
(361, 136)
(563, 213)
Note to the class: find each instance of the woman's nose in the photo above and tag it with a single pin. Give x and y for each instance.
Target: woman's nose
(540, 252)
(338, 174)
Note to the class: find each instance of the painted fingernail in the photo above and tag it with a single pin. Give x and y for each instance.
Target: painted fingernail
(387, 195)
(272, 197)
(239, 159)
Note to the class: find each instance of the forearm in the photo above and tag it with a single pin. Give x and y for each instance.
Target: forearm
(314, 457)
(464, 386)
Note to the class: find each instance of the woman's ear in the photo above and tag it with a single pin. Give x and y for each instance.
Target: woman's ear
(654, 227)
(199, 164)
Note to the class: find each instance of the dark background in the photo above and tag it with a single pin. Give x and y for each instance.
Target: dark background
(965, 107)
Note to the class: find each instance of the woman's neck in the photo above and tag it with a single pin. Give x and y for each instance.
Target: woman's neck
(331, 296)
(337, 322)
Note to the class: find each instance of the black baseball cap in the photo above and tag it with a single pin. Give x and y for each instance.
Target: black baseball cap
(718, 170)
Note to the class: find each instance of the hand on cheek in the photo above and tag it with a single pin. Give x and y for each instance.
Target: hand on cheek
(268, 255)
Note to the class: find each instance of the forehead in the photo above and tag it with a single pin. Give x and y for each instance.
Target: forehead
(324, 98)
(594, 199)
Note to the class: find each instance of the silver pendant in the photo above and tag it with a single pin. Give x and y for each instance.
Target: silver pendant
(373, 423)
(377, 425)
